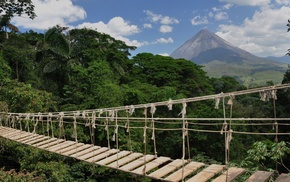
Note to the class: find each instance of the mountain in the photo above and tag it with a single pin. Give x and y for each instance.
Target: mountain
(220, 57)
(284, 59)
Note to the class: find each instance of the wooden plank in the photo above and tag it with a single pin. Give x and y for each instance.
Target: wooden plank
(44, 142)
(97, 151)
(72, 147)
(14, 136)
(76, 150)
(37, 140)
(31, 138)
(260, 176)
(134, 164)
(20, 137)
(102, 153)
(47, 145)
(172, 166)
(151, 165)
(14, 133)
(187, 170)
(86, 153)
(207, 173)
(113, 158)
(283, 178)
(62, 146)
(125, 160)
(229, 175)
(5, 130)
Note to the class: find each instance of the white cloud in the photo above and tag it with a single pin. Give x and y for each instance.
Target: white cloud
(166, 20)
(216, 9)
(227, 6)
(221, 16)
(165, 29)
(147, 25)
(248, 2)
(163, 41)
(198, 20)
(264, 34)
(283, 2)
(210, 14)
(59, 12)
(118, 28)
(163, 54)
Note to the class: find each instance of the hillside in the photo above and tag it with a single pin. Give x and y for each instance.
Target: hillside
(220, 57)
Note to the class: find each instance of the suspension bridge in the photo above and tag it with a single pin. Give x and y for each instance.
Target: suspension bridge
(39, 130)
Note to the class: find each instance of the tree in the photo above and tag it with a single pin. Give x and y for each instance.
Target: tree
(10, 8)
(53, 59)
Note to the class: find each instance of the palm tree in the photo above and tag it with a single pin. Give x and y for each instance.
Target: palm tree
(5, 24)
(54, 50)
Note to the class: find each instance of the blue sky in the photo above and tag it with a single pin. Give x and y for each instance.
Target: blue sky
(161, 26)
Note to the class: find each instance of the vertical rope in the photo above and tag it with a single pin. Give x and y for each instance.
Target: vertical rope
(1, 119)
(117, 139)
(27, 118)
(184, 134)
(20, 122)
(144, 139)
(131, 111)
(107, 129)
(50, 119)
(274, 98)
(188, 146)
(36, 123)
(229, 134)
(152, 111)
(61, 115)
(13, 122)
(75, 133)
(224, 130)
(93, 127)
(41, 120)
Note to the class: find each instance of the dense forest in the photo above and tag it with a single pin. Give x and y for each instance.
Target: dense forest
(76, 69)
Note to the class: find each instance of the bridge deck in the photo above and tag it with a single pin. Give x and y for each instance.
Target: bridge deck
(162, 168)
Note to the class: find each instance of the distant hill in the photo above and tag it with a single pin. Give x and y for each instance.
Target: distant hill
(284, 59)
(220, 57)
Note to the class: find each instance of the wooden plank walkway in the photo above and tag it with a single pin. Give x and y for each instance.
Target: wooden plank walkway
(162, 168)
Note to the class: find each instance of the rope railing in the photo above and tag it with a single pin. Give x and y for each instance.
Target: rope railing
(113, 119)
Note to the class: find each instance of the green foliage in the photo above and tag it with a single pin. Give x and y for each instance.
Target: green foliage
(20, 57)
(17, 7)
(266, 153)
(22, 97)
(85, 69)
(12, 175)
(5, 71)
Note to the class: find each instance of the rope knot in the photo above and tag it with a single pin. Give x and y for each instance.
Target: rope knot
(169, 104)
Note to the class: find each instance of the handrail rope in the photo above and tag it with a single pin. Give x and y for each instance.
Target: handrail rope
(193, 99)
(200, 130)
(200, 124)
(160, 119)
